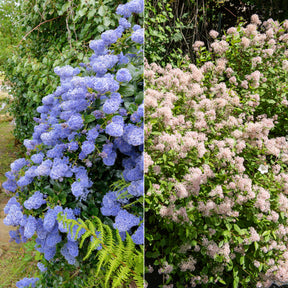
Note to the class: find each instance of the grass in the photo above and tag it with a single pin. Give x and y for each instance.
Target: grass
(17, 262)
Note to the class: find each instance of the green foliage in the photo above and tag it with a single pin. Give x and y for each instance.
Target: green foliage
(9, 29)
(118, 263)
(172, 27)
(55, 33)
(161, 30)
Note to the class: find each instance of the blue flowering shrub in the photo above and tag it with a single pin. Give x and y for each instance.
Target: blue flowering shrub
(79, 191)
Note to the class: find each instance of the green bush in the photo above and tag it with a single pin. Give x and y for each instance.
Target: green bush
(161, 30)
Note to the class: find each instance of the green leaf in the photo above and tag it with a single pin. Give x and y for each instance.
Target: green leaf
(107, 22)
(131, 107)
(89, 118)
(222, 281)
(127, 90)
(91, 13)
(82, 12)
(38, 256)
(177, 37)
(237, 229)
(152, 254)
(64, 8)
(101, 28)
(270, 101)
(236, 282)
(235, 277)
(139, 98)
(101, 11)
(227, 233)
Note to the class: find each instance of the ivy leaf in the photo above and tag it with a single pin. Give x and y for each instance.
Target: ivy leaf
(101, 11)
(91, 13)
(64, 8)
(82, 12)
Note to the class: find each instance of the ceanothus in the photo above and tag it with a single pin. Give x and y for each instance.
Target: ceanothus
(64, 145)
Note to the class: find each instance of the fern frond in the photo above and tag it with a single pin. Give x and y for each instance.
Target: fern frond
(90, 225)
(129, 248)
(114, 264)
(118, 262)
(82, 223)
(100, 228)
(94, 243)
(109, 240)
(122, 276)
(120, 184)
(78, 231)
(120, 244)
(138, 279)
(103, 257)
(84, 237)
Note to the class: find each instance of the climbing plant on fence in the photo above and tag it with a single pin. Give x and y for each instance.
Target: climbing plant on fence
(79, 191)
(53, 33)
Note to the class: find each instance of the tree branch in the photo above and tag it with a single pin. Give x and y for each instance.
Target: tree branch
(24, 38)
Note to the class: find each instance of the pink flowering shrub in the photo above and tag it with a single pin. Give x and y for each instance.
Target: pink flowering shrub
(216, 163)
(253, 58)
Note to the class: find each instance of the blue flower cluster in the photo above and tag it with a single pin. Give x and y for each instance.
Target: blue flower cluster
(68, 140)
(27, 282)
(127, 9)
(41, 267)
(35, 201)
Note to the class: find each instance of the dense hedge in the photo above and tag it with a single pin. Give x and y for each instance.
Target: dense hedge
(62, 31)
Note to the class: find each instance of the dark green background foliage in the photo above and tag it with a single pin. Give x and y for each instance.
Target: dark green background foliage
(172, 26)
(63, 40)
